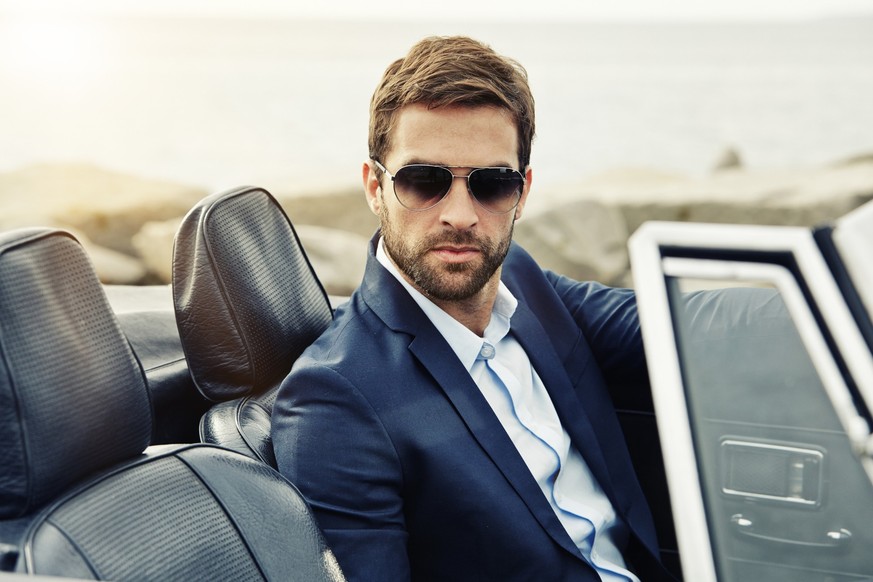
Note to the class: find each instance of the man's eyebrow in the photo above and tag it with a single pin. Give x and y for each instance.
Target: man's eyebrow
(424, 161)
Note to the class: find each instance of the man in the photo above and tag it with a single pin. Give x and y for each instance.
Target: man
(454, 423)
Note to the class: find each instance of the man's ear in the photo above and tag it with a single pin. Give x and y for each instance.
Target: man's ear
(528, 179)
(372, 187)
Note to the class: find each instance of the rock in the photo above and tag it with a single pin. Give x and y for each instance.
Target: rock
(154, 244)
(583, 239)
(344, 208)
(109, 207)
(863, 158)
(338, 257)
(578, 229)
(728, 159)
(112, 267)
(115, 268)
(794, 197)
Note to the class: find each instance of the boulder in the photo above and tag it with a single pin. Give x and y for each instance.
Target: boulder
(113, 267)
(154, 245)
(578, 229)
(342, 208)
(794, 197)
(583, 239)
(108, 207)
(728, 159)
(337, 256)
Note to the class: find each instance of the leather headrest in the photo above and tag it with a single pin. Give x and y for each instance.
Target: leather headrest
(247, 299)
(73, 398)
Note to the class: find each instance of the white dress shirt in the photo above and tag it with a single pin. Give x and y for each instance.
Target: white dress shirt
(503, 372)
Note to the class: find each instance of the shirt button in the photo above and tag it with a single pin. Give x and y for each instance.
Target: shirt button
(487, 351)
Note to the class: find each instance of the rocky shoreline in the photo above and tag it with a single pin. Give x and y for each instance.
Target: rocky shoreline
(127, 223)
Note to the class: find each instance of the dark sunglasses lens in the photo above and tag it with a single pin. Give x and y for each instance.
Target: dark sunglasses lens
(421, 186)
(497, 189)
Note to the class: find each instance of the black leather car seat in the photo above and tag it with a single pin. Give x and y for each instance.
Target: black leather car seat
(248, 302)
(80, 494)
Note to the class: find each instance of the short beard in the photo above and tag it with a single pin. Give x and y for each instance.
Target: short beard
(410, 259)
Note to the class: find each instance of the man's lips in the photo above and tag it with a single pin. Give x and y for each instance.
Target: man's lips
(455, 254)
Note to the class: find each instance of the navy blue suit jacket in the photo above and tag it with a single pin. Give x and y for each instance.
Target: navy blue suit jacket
(407, 468)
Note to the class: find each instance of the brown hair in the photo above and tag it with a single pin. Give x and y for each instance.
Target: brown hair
(453, 70)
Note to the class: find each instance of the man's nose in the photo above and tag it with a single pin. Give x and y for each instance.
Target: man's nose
(458, 209)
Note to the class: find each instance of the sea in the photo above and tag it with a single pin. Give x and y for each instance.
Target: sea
(283, 103)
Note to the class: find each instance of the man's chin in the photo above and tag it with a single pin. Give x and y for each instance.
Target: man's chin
(458, 268)
(451, 285)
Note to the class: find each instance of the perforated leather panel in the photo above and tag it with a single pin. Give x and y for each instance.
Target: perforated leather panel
(191, 512)
(57, 332)
(247, 299)
(155, 522)
(248, 236)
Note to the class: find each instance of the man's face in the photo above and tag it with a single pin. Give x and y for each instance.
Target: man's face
(454, 250)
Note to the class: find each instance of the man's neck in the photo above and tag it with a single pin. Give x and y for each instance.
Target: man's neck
(474, 313)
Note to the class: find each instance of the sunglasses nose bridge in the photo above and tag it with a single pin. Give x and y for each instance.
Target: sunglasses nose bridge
(465, 178)
(465, 188)
(455, 178)
(458, 204)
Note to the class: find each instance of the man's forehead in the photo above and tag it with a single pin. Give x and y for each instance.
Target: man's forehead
(436, 135)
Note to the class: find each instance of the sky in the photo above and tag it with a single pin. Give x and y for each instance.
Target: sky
(376, 10)
(110, 91)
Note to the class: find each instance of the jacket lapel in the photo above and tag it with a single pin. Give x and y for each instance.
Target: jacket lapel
(431, 349)
(572, 411)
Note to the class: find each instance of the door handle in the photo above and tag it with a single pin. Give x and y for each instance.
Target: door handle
(829, 539)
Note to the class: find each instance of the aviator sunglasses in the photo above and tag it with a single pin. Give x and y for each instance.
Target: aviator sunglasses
(422, 186)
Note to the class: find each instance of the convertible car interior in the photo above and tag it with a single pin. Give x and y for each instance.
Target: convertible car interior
(83, 494)
(136, 420)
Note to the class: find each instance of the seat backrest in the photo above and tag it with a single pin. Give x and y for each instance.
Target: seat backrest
(72, 397)
(79, 497)
(148, 320)
(248, 302)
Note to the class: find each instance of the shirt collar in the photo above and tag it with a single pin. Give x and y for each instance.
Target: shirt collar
(463, 342)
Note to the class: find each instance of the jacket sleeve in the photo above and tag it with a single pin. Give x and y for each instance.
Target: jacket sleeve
(608, 318)
(331, 444)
